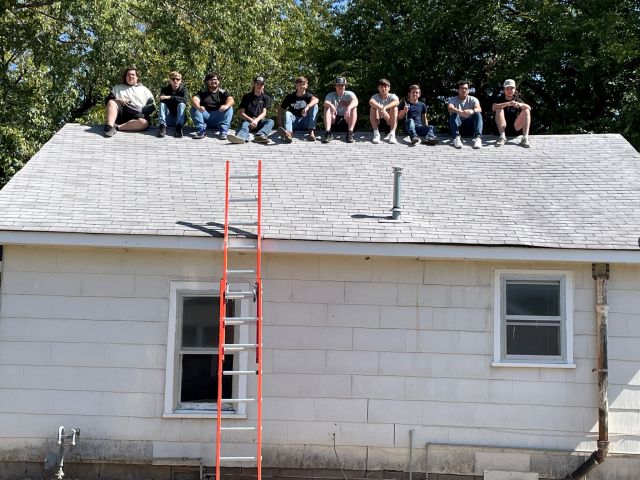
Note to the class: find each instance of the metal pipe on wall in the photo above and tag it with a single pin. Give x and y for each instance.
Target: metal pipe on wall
(600, 273)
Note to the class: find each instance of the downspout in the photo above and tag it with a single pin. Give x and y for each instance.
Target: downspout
(600, 272)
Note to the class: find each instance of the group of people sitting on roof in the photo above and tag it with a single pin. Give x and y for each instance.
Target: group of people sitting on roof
(130, 104)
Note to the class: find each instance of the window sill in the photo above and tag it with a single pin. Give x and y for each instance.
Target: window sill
(207, 415)
(534, 365)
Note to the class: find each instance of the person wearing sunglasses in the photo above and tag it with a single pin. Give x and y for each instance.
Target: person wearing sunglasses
(173, 105)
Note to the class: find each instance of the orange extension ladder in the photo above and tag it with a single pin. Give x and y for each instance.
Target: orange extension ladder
(247, 193)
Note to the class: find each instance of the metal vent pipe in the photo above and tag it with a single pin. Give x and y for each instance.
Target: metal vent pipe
(396, 211)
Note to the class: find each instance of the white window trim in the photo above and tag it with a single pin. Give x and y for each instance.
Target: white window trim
(567, 276)
(177, 289)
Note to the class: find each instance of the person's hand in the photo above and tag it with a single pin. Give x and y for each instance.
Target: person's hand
(164, 97)
(304, 112)
(224, 108)
(253, 124)
(200, 108)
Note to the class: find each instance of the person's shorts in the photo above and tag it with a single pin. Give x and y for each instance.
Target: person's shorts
(340, 125)
(510, 130)
(383, 126)
(126, 113)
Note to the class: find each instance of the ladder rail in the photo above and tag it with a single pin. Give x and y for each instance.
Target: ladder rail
(259, 328)
(225, 296)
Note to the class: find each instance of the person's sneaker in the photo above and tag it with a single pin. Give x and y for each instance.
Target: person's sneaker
(179, 131)
(328, 136)
(477, 142)
(376, 137)
(457, 142)
(222, 135)
(235, 139)
(286, 135)
(392, 138)
(200, 134)
(350, 137)
(415, 140)
(431, 140)
(109, 130)
(261, 138)
(162, 131)
(501, 141)
(312, 136)
(525, 142)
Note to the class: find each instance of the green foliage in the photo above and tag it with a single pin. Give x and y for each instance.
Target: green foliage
(577, 62)
(60, 58)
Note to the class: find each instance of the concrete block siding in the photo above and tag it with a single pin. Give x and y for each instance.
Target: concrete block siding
(358, 350)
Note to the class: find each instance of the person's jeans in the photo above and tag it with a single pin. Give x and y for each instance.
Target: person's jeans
(412, 129)
(213, 119)
(168, 119)
(264, 127)
(293, 123)
(467, 126)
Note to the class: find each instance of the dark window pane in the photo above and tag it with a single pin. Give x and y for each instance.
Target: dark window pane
(540, 299)
(200, 378)
(533, 340)
(200, 322)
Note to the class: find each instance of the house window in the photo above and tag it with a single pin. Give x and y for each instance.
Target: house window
(533, 318)
(191, 385)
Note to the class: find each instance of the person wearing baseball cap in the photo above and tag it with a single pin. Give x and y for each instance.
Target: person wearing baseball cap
(253, 110)
(340, 111)
(212, 107)
(513, 116)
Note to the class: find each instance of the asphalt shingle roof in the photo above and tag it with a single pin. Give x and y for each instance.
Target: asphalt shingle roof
(578, 191)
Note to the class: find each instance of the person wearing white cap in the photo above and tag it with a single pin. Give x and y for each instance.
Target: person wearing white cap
(513, 116)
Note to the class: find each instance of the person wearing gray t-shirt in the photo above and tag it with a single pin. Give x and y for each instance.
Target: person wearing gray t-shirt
(465, 116)
(384, 111)
(340, 111)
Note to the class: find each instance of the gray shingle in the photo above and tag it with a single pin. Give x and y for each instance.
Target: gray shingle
(567, 191)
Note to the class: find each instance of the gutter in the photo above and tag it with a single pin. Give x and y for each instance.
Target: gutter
(600, 272)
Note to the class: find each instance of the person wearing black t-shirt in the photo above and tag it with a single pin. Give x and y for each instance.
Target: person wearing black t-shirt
(513, 116)
(298, 111)
(253, 112)
(173, 103)
(212, 108)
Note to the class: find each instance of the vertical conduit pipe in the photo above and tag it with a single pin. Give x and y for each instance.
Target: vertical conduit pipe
(600, 272)
(411, 432)
(397, 193)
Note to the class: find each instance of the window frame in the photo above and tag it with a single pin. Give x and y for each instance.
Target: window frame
(566, 281)
(178, 290)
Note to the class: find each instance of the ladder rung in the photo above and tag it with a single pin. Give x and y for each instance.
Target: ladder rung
(243, 199)
(238, 400)
(242, 246)
(243, 177)
(240, 320)
(239, 372)
(239, 346)
(239, 459)
(244, 223)
(238, 428)
(237, 272)
(237, 295)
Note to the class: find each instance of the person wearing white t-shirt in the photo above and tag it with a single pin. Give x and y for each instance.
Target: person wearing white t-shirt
(128, 105)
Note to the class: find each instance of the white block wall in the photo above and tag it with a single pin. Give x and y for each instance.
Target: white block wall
(358, 351)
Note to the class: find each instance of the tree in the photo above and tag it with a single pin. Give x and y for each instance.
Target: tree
(60, 58)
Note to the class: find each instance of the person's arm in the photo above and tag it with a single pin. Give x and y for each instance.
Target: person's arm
(453, 109)
(425, 120)
(314, 101)
(195, 101)
(353, 103)
(328, 105)
(403, 110)
(477, 108)
(227, 104)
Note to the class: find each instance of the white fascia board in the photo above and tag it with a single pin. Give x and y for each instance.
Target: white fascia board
(319, 247)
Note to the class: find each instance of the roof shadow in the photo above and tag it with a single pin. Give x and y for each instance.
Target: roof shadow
(378, 217)
(216, 229)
